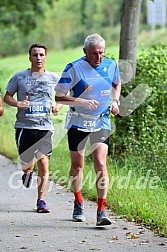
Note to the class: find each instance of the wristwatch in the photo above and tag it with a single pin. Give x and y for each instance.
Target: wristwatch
(118, 101)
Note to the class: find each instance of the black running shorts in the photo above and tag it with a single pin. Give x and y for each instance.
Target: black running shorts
(77, 139)
(31, 141)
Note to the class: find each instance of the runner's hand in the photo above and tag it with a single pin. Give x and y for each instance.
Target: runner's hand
(90, 104)
(23, 104)
(114, 109)
(55, 110)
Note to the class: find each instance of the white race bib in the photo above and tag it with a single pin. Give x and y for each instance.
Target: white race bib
(36, 109)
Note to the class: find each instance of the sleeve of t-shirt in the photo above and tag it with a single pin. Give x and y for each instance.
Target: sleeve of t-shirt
(65, 82)
(55, 77)
(116, 79)
(12, 85)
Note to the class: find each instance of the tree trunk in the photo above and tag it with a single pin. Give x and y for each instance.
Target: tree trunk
(130, 15)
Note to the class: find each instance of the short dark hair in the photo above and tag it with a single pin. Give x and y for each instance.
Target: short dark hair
(37, 45)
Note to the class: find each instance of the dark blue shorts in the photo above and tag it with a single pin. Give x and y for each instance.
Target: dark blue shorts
(77, 139)
(31, 141)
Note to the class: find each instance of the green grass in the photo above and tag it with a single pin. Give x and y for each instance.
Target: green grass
(147, 206)
(7, 133)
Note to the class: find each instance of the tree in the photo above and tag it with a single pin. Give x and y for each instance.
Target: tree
(130, 14)
(22, 14)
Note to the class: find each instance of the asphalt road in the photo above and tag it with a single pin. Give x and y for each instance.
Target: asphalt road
(23, 229)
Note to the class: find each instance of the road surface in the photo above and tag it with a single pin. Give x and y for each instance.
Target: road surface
(23, 229)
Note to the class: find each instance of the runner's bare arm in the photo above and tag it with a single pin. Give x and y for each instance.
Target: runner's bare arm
(68, 100)
(1, 107)
(114, 108)
(9, 99)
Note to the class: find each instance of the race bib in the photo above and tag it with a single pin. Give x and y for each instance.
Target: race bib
(90, 124)
(36, 109)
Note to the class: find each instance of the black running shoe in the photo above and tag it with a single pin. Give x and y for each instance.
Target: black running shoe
(27, 179)
(102, 219)
(78, 214)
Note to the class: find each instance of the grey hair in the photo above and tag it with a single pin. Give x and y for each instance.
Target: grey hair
(93, 40)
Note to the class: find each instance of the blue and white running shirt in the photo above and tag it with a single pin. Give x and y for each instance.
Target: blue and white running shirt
(87, 82)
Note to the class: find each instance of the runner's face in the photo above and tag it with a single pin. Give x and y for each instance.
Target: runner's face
(94, 55)
(37, 58)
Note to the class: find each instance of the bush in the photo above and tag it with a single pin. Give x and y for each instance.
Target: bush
(74, 40)
(143, 133)
(11, 44)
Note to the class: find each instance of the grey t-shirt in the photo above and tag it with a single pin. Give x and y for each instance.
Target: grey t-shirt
(39, 89)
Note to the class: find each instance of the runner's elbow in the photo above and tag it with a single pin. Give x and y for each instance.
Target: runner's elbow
(58, 98)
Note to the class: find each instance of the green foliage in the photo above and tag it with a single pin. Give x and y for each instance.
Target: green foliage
(22, 13)
(142, 135)
(11, 44)
(53, 23)
(75, 39)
